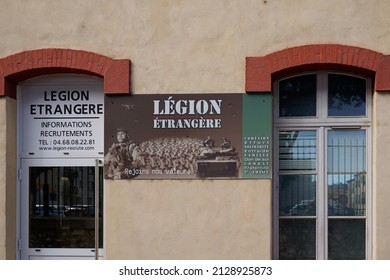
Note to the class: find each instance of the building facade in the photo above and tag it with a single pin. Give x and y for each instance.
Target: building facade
(177, 129)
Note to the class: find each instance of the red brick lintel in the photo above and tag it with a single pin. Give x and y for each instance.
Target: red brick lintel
(28, 64)
(260, 71)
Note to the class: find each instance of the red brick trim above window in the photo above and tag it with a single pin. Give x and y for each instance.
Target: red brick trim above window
(261, 70)
(382, 81)
(29, 64)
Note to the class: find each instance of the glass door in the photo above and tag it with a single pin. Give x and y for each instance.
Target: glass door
(58, 209)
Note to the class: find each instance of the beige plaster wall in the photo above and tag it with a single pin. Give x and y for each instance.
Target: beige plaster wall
(3, 184)
(381, 189)
(190, 46)
(184, 219)
(7, 178)
(186, 46)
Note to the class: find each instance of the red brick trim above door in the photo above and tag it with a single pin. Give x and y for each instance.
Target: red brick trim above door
(28, 64)
(260, 71)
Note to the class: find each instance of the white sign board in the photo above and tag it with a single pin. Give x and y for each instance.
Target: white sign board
(61, 116)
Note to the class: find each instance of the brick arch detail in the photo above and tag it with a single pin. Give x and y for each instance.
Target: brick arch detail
(28, 64)
(261, 70)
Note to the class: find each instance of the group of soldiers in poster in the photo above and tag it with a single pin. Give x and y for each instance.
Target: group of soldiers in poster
(169, 155)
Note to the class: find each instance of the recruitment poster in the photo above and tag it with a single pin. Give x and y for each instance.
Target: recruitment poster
(62, 120)
(187, 136)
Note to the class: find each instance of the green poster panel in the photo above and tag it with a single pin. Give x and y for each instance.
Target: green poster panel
(257, 136)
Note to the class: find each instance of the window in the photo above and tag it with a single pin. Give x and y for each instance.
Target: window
(322, 180)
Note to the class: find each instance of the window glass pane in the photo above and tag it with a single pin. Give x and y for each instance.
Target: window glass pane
(297, 195)
(346, 172)
(62, 207)
(297, 150)
(346, 239)
(346, 96)
(297, 96)
(297, 239)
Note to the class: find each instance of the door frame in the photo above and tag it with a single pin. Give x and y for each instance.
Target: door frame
(49, 253)
(56, 82)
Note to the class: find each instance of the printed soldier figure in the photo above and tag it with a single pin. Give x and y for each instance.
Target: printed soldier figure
(225, 143)
(209, 142)
(122, 155)
(226, 146)
(207, 149)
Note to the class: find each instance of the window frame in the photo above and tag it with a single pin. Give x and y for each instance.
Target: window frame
(322, 124)
(322, 98)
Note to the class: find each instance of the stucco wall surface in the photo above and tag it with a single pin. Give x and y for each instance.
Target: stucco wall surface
(225, 219)
(3, 145)
(187, 46)
(190, 46)
(381, 176)
(7, 179)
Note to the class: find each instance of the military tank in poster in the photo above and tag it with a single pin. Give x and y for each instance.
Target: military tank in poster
(222, 161)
